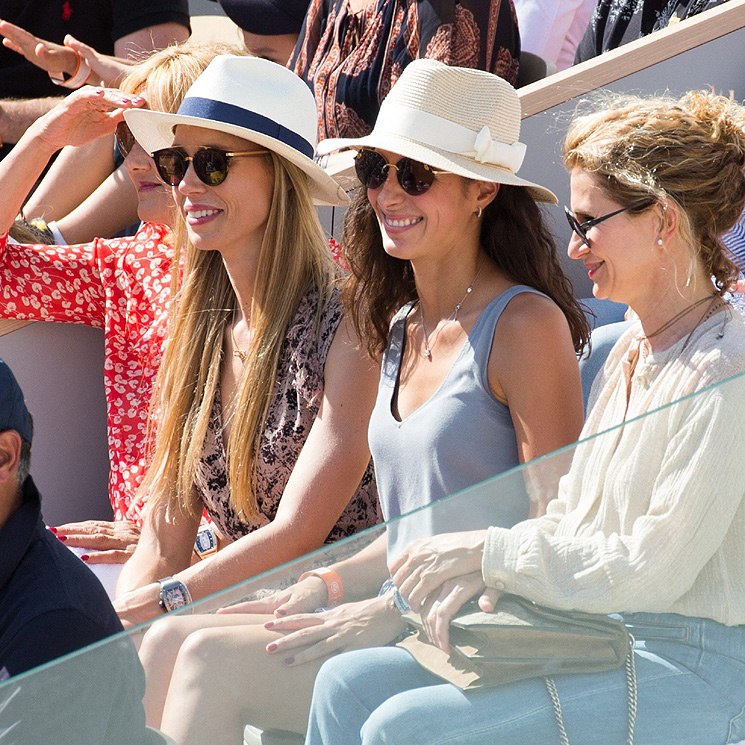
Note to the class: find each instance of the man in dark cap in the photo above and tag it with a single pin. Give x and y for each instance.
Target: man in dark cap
(270, 27)
(50, 602)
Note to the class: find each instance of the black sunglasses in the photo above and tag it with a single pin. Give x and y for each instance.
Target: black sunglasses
(210, 164)
(581, 228)
(414, 177)
(125, 140)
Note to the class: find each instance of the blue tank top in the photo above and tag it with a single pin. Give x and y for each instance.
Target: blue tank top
(460, 436)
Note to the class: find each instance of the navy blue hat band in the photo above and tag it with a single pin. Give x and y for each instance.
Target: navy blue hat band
(227, 113)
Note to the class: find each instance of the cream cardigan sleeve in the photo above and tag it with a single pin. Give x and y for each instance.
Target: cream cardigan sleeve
(684, 512)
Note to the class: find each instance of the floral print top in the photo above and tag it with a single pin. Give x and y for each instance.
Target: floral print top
(351, 60)
(296, 399)
(617, 22)
(121, 285)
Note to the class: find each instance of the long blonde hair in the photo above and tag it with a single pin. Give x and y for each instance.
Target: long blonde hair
(294, 258)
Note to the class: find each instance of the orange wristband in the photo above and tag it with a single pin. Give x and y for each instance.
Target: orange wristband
(332, 581)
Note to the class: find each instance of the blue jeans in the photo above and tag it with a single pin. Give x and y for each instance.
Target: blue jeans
(691, 691)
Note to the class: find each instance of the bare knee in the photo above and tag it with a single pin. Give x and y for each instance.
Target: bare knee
(164, 639)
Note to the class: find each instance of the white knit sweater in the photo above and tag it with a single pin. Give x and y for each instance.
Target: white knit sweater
(651, 516)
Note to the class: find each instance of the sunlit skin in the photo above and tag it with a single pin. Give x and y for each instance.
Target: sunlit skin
(623, 262)
(627, 265)
(276, 48)
(432, 224)
(231, 217)
(154, 200)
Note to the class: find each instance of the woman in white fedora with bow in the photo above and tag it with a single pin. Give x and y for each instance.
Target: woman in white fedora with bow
(455, 276)
(262, 378)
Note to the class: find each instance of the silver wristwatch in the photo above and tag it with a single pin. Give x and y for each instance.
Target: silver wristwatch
(174, 594)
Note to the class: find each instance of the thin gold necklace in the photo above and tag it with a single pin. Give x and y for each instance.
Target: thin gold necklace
(452, 317)
(241, 354)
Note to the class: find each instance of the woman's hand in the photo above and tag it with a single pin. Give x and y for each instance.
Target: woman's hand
(302, 597)
(58, 58)
(366, 623)
(44, 54)
(140, 605)
(110, 542)
(426, 564)
(440, 607)
(83, 116)
(738, 286)
(109, 70)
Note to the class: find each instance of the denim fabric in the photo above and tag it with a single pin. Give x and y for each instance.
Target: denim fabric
(691, 691)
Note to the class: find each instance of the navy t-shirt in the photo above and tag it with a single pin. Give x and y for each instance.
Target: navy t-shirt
(51, 604)
(98, 23)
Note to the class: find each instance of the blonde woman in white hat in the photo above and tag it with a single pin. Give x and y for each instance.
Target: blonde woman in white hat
(262, 378)
(472, 396)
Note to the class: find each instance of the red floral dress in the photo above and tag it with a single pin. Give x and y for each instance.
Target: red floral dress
(121, 285)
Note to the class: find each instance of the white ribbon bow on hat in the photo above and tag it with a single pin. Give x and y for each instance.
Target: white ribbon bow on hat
(487, 150)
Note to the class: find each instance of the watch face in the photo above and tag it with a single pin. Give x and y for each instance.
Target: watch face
(205, 541)
(173, 598)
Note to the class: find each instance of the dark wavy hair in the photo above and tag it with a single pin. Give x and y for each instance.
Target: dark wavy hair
(513, 234)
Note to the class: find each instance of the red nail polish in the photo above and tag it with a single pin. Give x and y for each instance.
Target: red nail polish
(289, 660)
(271, 647)
(280, 613)
(269, 625)
(84, 557)
(54, 530)
(62, 538)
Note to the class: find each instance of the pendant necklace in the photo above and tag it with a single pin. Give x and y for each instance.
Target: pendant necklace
(241, 354)
(452, 317)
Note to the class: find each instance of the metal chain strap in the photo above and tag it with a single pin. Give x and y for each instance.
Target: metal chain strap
(631, 695)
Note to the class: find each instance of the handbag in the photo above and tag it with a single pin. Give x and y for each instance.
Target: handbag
(521, 640)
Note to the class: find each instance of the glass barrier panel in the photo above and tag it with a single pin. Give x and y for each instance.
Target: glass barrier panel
(215, 677)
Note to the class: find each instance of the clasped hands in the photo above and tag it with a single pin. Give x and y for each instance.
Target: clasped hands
(435, 575)
(438, 575)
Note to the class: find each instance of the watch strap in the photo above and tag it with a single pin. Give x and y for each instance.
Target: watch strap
(206, 541)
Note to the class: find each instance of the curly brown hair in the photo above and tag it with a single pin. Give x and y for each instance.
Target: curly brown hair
(690, 151)
(513, 234)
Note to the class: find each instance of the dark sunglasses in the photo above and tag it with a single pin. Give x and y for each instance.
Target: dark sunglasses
(210, 164)
(414, 177)
(581, 228)
(125, 140)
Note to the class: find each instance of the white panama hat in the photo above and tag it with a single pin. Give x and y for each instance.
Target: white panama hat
(252, 98)
(456, 119)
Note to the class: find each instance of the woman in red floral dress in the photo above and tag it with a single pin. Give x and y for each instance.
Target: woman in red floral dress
(121, 285)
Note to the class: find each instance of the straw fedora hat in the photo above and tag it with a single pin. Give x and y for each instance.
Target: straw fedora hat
(455, 119)
(252, 98)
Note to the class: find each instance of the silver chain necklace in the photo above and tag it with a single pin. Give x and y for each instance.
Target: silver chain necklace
(452, 317)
